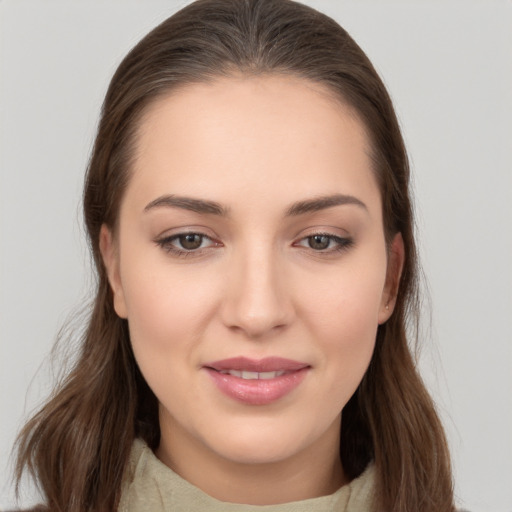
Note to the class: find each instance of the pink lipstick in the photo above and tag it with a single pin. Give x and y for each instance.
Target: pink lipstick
(257, 382)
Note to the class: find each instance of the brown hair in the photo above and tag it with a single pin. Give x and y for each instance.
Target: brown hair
(78, 445)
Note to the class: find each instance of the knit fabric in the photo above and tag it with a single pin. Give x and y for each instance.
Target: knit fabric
(150, 485)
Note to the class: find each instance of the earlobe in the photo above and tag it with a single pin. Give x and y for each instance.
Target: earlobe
(111, 261)
(396, 260)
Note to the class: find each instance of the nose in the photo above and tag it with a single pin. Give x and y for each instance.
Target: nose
(258, 298)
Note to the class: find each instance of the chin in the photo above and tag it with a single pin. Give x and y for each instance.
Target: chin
(260, 446)
(252, 455)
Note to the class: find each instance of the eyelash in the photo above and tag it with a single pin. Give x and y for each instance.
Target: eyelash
(341, 243)
(167, 244)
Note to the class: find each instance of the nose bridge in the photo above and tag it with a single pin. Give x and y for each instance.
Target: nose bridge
(257, 301)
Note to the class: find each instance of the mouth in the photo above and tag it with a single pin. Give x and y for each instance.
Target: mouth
(257, 382)
(248, 375)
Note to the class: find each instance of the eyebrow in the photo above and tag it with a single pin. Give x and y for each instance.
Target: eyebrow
(322, 203)
(204, 206)
(187, 203)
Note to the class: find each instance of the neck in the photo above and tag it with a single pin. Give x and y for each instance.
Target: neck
(313, 472)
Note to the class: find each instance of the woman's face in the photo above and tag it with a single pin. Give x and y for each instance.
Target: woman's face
(251, 265)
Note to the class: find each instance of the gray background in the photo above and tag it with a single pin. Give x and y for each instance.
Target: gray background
(448, 65)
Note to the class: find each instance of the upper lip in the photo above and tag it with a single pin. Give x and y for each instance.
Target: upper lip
(267, 364)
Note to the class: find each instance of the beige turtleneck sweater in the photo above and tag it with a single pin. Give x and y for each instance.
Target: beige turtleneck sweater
(153, 487)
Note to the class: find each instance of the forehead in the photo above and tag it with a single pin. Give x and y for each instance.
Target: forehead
(279, 136)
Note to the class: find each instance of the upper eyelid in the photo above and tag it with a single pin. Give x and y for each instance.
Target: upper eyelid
(336, 238)
(172, 237)
(322, 232)
(322, 228)
(182, 232)
(168, 244)
(185, 230)
(166, 235)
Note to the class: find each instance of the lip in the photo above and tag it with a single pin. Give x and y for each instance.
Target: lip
(257, 391)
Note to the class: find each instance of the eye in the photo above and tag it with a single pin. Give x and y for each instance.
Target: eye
(319, 242)
(183, 244)
(190, 241)
(324, 242)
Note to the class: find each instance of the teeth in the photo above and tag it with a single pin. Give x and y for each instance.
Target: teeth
(270, 375)
(249, 375)
(242, 374)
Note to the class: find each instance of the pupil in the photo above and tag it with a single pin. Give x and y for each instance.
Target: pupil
(191, 241)
(319, 242)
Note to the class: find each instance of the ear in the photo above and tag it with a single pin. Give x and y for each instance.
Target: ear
(110, 256)
(396, 259)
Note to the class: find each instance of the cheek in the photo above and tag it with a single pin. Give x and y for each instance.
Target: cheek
(349, 328)
(167, 315)
(342, 311)
(166, 309)
(347, 300)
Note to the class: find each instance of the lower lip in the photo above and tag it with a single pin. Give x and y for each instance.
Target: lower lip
(257, 391)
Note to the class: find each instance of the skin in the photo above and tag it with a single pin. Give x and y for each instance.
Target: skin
(255, 287)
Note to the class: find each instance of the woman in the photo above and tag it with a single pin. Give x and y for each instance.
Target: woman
(248, 211)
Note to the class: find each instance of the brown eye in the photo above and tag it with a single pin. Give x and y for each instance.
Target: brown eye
(187, 244)
(190, 241)
(325, 243)
(319, 242)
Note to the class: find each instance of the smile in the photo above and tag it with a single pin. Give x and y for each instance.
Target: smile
(257, 382)
(248, 375)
